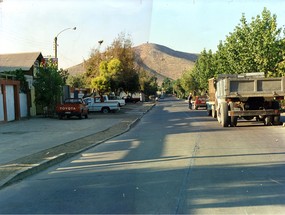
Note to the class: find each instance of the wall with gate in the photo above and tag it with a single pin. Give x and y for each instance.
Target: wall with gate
(9, 100)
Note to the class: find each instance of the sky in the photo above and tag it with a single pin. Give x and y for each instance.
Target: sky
(183, 25)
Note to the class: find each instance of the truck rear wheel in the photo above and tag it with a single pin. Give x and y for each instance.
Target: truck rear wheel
(214, 112)
(224, 114)
(268, 120)
(276, 120)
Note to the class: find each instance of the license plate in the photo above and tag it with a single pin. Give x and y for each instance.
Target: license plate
(67, 112)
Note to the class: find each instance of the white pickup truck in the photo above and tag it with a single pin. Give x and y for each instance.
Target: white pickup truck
(96, 105)
(122, 102)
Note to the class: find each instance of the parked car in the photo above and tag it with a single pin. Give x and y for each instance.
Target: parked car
(200, 101)
(95, 104)
(72, 107)
(130, 99)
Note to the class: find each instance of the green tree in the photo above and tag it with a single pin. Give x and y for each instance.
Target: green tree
(101, 84)
(179, 90)
(48, 85)
(117, 64)
(148, 83)
(253, 47)
(76, 81)
(167, 85)
(20, 76)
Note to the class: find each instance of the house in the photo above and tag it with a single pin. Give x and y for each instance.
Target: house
(15, 104)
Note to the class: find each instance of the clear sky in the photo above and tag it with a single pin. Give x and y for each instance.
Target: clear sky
(183, 25)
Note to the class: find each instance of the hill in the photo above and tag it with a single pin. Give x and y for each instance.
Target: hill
(162, 61)
(158, 60)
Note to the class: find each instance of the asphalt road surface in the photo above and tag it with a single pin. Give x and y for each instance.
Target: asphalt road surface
(173, 161)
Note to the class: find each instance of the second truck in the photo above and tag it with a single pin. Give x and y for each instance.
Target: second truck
(246, 96)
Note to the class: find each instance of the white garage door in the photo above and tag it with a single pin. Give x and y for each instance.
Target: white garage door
(10, 102)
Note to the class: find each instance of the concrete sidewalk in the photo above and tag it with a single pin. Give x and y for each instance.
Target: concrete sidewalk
(29, 146)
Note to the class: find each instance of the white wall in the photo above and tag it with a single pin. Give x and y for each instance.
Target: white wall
(10, 102)
(1, 107)
(23, 105)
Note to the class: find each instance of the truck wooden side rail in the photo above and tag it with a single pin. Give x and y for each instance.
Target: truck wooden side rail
(245, 96)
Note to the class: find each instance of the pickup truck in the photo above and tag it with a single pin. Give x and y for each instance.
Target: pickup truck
(122, 102)
(72, 107)
(95, 104)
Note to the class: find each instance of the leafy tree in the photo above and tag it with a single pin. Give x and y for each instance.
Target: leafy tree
(254, 47)
(167, 85)
(148, 84)
(178, 88)
(20, 76)
(100, 84)
(203, 70)
(188, 83)
(48, 85)
(116, 65)
(77, 81)
(92, 66)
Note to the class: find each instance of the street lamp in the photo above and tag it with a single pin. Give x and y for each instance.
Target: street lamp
(55, 41)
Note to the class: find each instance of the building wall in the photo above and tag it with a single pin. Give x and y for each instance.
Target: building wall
(1, 106)
(10, 108)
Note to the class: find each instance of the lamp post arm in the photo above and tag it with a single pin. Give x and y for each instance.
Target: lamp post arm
(65, 30)
(55, 40)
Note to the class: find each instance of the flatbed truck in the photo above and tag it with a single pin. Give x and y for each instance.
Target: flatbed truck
(247, 96)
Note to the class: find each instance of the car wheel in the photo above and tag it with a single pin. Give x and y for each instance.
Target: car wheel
(105, 110)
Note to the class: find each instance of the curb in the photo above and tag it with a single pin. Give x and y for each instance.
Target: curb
(36, 168)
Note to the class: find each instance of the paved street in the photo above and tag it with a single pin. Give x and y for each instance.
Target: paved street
(29, 146)
(174, 161)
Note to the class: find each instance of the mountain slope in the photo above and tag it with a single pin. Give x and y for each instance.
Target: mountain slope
(158, 60)
(162, 61)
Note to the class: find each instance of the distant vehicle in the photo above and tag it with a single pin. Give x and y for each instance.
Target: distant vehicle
(130, 99)
(96, 105)
(72, 107)
(200, 101)
(122, 102)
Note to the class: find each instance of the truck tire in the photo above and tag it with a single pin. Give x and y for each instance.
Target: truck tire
(268, 120)
(214, 112)
(209, 112)
(233, 119)
(219, 114)
(276, 120)
(80, 116)
(105, 110)
(224, 114)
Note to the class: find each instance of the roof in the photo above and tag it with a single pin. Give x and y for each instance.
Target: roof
(24, 61)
